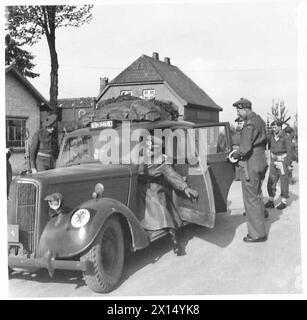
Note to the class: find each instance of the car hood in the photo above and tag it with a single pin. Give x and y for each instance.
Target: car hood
(80, 172)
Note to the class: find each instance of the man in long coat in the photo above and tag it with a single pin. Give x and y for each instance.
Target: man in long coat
(155, 204)
(252, 150)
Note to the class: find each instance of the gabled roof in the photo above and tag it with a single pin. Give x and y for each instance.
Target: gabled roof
(68, 103)
(150, 70)
(27, 84)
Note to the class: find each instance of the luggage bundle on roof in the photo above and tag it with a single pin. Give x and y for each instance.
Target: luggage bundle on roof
(127, 107)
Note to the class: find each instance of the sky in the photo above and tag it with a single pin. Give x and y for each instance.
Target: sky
(229, 49)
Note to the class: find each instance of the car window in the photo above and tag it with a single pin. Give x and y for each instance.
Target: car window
(217, 141)
(77, 149)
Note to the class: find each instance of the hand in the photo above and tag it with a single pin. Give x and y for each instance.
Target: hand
(190, 193)
(33, 170)
(234, 156)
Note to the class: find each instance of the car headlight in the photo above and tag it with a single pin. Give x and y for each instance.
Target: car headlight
(55, 200)
(80, 218)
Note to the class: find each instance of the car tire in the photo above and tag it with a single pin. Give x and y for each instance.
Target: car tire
(107, 257)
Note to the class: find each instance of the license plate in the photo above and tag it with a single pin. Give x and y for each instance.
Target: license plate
(13, 233)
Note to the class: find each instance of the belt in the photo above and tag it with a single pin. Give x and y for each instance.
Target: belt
(42, 154)
(278, 157)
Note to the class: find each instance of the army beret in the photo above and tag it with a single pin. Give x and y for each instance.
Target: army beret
(54, 196)
(239, 119)
(242, 103)
(50, 120)
(278, 123)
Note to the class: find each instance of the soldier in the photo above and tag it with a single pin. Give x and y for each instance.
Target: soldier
(44, 147)
(289, 131)
(281, 158)
(252, 150)
(155, 205)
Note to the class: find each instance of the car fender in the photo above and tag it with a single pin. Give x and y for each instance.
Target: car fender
(61, 239)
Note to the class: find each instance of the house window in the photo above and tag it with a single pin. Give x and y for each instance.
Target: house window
(149, 94)
(15, 128)
(126, 93)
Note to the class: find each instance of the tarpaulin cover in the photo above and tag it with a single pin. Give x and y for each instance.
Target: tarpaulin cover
(133, 108)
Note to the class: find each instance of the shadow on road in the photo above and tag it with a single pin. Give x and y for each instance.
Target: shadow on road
(42, 276)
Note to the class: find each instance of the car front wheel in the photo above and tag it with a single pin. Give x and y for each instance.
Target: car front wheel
(107, 257)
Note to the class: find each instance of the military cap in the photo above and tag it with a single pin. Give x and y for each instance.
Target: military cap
(277, 122)
(239, 119)
(54, 196)
(50, 120)
(242, 103)
(288, 129)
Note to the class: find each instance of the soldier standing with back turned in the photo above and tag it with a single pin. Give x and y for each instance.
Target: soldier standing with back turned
(44, 147)
(252, 150)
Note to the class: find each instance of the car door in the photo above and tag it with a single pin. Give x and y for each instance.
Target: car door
(205, 170)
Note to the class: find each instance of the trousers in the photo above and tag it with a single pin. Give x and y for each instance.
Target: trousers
(252, 195)
(274, 176)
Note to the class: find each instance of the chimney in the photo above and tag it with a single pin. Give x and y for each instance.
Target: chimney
(167, 60)
(155, 55)
(103, 83)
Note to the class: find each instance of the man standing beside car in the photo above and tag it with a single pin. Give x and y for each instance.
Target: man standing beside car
(252, 150)
(44, 147)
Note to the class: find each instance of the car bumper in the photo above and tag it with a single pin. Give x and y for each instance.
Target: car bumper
(48, 263)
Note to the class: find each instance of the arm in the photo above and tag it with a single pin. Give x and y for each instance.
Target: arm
(176, 181)
(290, 152)
(246, 142)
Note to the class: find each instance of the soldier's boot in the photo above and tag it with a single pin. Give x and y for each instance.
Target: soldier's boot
(270, 204)
(282, 205)
(177, 247)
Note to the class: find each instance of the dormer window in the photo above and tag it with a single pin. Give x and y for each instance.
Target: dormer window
(149, 93)
(126, 93)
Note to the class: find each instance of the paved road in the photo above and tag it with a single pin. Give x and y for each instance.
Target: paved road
(217, 261)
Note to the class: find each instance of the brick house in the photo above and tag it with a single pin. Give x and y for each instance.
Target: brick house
(149, 77)
(72, 109)
(25, 108)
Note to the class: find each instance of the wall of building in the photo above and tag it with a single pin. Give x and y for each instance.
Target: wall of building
(19, 102)
(161, 93)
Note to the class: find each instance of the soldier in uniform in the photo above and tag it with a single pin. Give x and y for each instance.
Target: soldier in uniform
(44, 147)
(155, 205)
(252, 150)
(281, 158)
(289, 132)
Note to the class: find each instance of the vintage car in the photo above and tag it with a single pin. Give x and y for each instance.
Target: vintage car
(96, 218)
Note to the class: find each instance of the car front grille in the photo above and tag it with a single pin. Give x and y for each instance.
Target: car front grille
(26, 208)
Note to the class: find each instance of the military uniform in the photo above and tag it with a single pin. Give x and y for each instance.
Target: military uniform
(155, 205)
(252, 150)
(281, 158)
(44, 147)
(156, 209)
